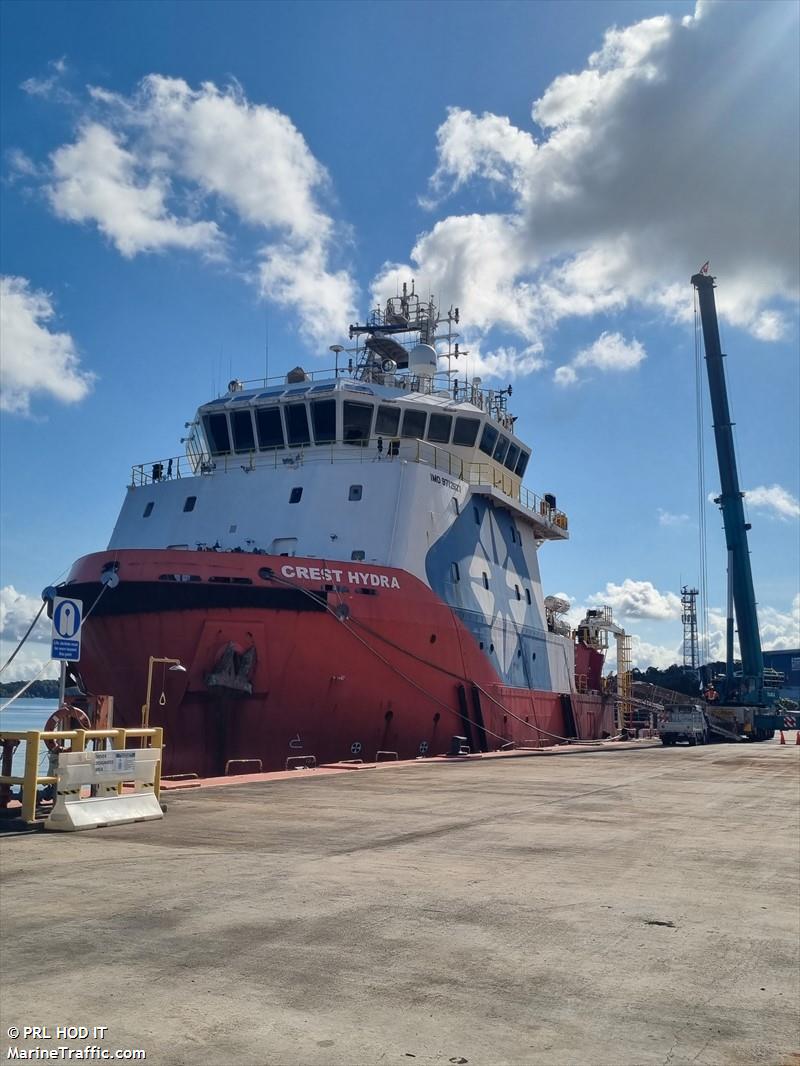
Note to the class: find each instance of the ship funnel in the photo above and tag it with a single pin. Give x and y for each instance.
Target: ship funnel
(422, 361)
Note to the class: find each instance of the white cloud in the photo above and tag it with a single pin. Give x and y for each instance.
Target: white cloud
(610, 352)
(620, 194)
(97, 180)
(175, 167)
(775, 499)
(661, 656)
(778, 629)
(565, 375)
(32, 657)
(638, 599)
(666, 518)
(35, 359)
(488, 147)
(17, 611)
(49, 85)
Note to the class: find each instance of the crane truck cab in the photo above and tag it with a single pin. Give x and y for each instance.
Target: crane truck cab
(686, 721)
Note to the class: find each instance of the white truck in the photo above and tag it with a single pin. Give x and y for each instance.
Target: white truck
(683, 722)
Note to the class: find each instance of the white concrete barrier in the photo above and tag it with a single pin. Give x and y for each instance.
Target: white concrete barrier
(106, 771)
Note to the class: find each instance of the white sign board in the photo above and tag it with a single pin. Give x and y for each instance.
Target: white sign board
(114, 762)
(66, 634)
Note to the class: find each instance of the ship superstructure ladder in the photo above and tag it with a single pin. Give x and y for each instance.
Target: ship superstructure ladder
(691, 653)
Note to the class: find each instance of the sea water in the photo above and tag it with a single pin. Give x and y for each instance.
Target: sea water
(26, 714)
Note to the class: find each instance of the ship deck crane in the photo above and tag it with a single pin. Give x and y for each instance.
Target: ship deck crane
(745, 700)
(594, 630)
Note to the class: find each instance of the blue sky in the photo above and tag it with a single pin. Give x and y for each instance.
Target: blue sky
(177, 175)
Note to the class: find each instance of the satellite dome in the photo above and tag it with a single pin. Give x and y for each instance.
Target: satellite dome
(422, 360)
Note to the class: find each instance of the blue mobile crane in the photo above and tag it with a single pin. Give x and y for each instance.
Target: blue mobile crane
(745, 699)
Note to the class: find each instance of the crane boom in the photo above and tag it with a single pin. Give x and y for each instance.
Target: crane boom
(751, 686)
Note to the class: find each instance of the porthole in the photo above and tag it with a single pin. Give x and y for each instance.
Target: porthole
(295, 495)
(433, 638)
(356, 492)
(148, 510)
(517, 593)
(485, 580)
(491, 647)
(528, 596)
(190, 502)
(358, 556)
(455, 572)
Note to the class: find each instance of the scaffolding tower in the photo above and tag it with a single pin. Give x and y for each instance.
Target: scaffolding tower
(691, 652)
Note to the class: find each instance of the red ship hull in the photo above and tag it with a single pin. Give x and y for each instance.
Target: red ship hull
(338, 668)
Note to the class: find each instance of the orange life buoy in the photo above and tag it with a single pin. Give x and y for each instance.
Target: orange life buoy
(65, 714)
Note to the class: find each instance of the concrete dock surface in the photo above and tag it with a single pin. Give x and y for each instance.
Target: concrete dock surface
(610, 909)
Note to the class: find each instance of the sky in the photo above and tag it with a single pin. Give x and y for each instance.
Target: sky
(180, 181)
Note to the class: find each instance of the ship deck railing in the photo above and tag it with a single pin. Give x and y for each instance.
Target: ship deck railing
(372, 450)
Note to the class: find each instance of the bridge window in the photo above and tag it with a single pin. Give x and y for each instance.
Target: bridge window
(297, 423)
(216, 426)
(489, 438)
(295, 495)
(466, 431)
(439, 428)
(512, 457)
(501, 449)
(522, 462)
(242, 426)
(356, 422)
(413, 424)
(323, 417)
(189, 503)
(356, 492)
(387, 421)
(148, 510)
(270, 428)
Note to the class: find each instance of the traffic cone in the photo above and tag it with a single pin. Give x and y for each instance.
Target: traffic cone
(783, 738)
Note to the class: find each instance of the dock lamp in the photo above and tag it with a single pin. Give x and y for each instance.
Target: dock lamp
(176, 667)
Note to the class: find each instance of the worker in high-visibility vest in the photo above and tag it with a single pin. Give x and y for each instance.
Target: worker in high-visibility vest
(711, 694)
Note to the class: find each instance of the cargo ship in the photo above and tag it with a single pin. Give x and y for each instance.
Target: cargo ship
(343, 565)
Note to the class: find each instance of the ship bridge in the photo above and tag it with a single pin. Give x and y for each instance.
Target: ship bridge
(345, 420)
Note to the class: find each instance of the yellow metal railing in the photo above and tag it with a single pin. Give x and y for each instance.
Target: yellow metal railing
(374, 449)
(33, 738)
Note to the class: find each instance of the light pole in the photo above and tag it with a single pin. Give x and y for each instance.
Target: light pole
(177, 667)
(336, 348)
